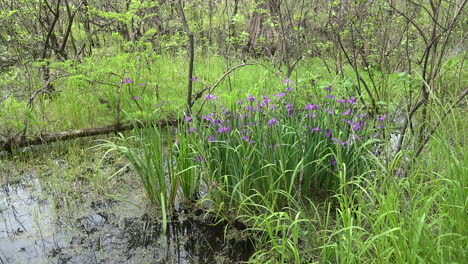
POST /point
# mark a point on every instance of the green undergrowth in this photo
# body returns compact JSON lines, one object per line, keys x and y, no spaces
{"x":376,"y":217}
{"x":313,"y":183}
{"x":415,"y":219}
{"x":87,"y":93}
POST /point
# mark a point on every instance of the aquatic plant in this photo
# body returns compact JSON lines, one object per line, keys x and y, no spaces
{"x":146,"y":153}
{"x":267,"y":146}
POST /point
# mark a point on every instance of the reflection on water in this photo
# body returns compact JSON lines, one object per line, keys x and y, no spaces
{"x":27,"y":229}
{"x":32,"y":230}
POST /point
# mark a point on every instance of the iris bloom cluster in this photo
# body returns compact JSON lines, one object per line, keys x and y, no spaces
{"x":335,"y":121}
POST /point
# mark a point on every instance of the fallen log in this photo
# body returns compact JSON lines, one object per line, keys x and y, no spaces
{"x":21,"y":141}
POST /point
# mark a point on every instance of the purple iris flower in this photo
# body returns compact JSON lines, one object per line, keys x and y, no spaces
{"x":290,"y":108}
{"x":188,"y":118}
{"x":358,"y":125}
{"x":351,"y":100}
{"x":314,"y":129}
{"x":225,"y":129}
{"x":273,"y":121}
{"x":328,"y":88}
{"x":312,"y":107}
{"x":127,"y":80}
{"x":239,"y":102}
{"x":194,"y":79}
{"x":333,"y":163}
{"x":279,"y":95}
{"x":250,"y":108}
{"x":136,"y":98}
{"x":331,"y":96}
{"x":287,"y":81}
{"x":199,"y":158}
{"x":381,"y":118}
{"x":208,"y":117}
{"x":266,"y":99}
{"x":347,"y":112}
{"x":289,"y":89}
{"x":347,"y":121}
{"x":250,"y":98}
{"x":328,"y":133}
{"x":330,"y":111}
{"x":210,"y":138}
{"x":211,"y":97}
{"x":191,"y":130}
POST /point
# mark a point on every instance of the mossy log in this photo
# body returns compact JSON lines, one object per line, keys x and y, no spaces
{"x":23,"y":141}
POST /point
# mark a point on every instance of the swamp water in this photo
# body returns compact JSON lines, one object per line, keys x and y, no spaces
{"x":50,"y":216}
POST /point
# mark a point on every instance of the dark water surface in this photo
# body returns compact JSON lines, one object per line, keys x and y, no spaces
{"x":36,"y":227}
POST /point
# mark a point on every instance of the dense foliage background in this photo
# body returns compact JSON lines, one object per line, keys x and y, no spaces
{"x":380,"y":50}
{"x":352,"y":113}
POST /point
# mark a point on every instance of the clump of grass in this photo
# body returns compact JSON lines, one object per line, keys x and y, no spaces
{"x":186,"y":167}
{"x":146,"y":153}
{"x":270,"y":143}
{"x":256,"y":159}
{"x":386,"y":219}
